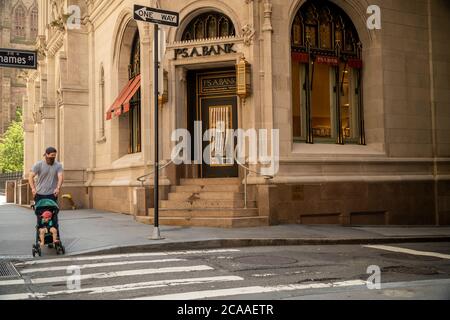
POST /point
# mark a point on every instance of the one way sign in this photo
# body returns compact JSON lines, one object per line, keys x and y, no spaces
{"x":147,"y":14}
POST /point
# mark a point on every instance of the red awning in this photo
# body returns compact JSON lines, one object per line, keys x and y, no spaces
{"x":301,"y":57}
{"x":123,"y":100}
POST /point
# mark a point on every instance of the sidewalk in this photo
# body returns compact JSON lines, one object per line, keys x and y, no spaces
{"x":93,"y":231}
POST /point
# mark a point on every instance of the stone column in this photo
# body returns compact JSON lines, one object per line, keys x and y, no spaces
{"x":146,"y":93}
{"x":46,"y":110}
{"x":267,"y":112}
{"x":28,"y":127}
{"x":10,"y":191}
{"x":5,"y":103}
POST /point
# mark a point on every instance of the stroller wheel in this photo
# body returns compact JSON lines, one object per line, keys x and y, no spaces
{"x":63,"y":250}
{"x":39,"y":252}
{"x":33,"y":252}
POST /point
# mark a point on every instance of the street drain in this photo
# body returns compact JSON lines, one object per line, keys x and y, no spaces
{"x":266,"y":260}
{"x":7,"y":270}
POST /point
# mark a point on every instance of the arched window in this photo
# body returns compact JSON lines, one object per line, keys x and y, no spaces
{"x":209,"y":25}
{"x":34,"y":23}
{"x":326,"y":76}
{"x":19,"y":22}
{"x":135,"y":102}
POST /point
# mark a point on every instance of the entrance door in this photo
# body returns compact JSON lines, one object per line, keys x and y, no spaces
{"x":219,"y":117}
{"x":216,"y":107}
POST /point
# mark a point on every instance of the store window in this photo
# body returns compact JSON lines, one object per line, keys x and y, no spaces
{"x":127,"y":105}
{"x":135,"y":102}
{"x":326,"y":76}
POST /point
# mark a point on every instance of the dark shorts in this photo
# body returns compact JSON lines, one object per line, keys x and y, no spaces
{"x":39,"y":197}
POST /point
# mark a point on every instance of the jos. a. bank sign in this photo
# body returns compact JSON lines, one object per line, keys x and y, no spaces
{"x":204,"y":51}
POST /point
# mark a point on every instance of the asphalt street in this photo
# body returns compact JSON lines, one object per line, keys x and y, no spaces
{"x":406,"y":271}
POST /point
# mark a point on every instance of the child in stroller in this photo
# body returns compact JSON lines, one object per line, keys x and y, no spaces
{"x":47,"y":227}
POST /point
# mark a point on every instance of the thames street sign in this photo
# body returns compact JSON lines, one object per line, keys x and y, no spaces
{"x":19,"y":59}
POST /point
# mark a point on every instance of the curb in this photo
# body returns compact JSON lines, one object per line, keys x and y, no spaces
{"x":235,"y":243}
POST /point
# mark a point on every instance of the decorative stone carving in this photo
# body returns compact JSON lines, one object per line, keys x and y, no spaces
{"x":59,"y":18}
{"x":57,"y":9}
{"x":182,"y":76}
{"x":47,"y":112}
{"x":22,"y":75}
{"x":37,"y":116}
{"x":59,"y":98}
{"x":267,"y":16}
{"x":248,"y":32}
{"x":41,"y":47}
{"x":56,"y":43}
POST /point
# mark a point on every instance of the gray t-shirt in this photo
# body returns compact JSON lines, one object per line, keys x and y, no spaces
{"x":47,"y":177}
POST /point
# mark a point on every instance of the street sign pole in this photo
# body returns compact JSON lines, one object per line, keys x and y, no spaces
{"x":156,"y":232}
{"x":167,"y":18}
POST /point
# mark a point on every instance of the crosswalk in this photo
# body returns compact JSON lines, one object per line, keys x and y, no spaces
{"x":176,"y":275}
{"x":113,"y":275}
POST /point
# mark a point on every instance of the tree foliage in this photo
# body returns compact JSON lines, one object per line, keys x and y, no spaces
{"x":11,"y":147}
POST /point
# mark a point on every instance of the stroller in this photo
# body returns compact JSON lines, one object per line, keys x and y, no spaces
{"x":39,"y":208}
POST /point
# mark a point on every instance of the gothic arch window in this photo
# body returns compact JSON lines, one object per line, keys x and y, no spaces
{"x":326,"y":76}
{"x":209,"y":25}
{"x":19,"y":22}
{"x":34,"y":22}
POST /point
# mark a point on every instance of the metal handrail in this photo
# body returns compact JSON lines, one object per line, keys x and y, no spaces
{"x":142,"y":179}
{"x":247,"y":170}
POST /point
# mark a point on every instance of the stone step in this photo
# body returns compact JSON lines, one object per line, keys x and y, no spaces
{"x":205,"y":213}
{"x":208,"y":188}
{"x":213,"y":181}
{"x":245,"y":222}
{"x":205,"y":195}
{"x":174,"y":204}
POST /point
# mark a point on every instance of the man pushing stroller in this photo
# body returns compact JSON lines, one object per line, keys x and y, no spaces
{"x":49,"y":174}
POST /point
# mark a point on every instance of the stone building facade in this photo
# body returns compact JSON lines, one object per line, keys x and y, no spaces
{"x":18,"y":30}
{"x":363,"y":114}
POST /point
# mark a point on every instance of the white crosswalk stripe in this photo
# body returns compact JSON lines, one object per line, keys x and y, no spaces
{"x":126,"y":256}
{"x":18,"y":296}
{"x":409,"y":251}
{"x":248,"y":290}
{"x":11,"y":282}
{"x":126,"y":273}
{"x":105,"y":275}
{"x":99,"y":265}
{"x":125,"y":287}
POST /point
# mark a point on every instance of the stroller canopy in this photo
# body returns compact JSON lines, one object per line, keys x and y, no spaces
{"x":46,"y":203}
